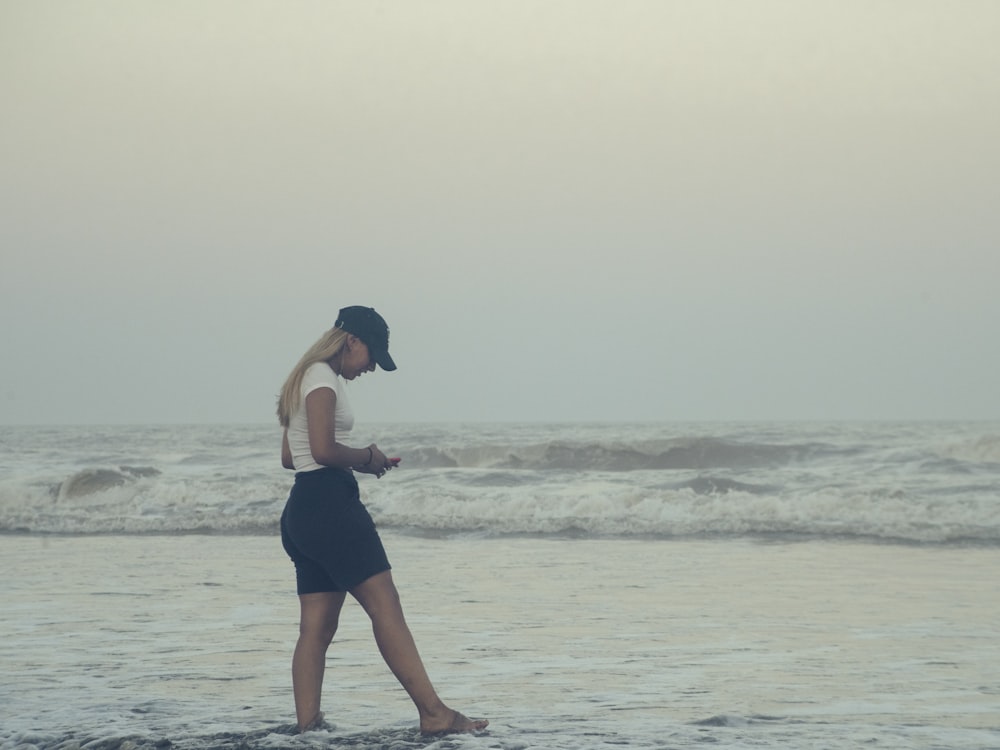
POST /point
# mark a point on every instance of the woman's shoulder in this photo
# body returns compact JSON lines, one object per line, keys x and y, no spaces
{"x":321,"y":368}
{"x":319,"y":374}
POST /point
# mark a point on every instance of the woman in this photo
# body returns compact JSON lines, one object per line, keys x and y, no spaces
{"x":327,"y":531}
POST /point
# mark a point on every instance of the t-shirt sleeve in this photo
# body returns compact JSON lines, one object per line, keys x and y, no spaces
{"x":318,"y":375}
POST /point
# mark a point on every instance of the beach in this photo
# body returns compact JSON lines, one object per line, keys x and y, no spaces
{"x":584,"y":643}
{"x":585,"y":587}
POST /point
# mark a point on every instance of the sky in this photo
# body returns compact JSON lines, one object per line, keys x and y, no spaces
{"x":567,"y":210}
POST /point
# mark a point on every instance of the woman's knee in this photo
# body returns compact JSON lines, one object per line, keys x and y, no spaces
{"x":320,"y":616}
{"x":319,"y":631}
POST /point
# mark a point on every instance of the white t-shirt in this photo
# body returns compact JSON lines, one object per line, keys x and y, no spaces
{"x":318,"y":375}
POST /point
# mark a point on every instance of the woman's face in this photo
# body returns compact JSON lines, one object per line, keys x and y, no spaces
{"x":356,"y":359}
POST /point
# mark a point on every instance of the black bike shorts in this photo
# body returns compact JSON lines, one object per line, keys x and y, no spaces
{"x":329,"y":534}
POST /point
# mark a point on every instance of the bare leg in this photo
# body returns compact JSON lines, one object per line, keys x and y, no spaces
{"x":317,"y":625}
{"x":380,"y":600}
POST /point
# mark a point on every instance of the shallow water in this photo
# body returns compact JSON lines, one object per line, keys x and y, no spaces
{"x":123,"y":641}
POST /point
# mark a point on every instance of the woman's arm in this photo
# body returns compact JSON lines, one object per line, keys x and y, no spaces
{"x":286,"y":452}
{"x":326,"y":451}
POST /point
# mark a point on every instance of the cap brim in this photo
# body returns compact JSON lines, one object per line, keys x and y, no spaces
{"x":383,"y":360}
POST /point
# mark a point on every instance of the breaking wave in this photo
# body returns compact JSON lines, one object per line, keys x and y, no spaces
{"x":916,"y":484}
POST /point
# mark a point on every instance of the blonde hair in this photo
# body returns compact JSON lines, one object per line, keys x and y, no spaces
{"x":329,"y":346}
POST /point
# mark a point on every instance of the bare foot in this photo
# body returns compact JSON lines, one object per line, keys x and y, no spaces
{"x":316,"y":723}
{"x":456,"y":723}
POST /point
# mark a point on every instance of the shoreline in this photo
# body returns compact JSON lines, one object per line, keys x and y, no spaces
{"x":476,"y":535}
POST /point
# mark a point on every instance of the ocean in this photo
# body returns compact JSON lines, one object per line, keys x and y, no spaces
{"x":584,"y":586}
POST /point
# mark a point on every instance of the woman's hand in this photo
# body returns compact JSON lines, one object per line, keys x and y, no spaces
{"x":378,"y":464}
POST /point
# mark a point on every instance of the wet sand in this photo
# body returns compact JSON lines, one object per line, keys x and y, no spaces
{"x":560,"y":643}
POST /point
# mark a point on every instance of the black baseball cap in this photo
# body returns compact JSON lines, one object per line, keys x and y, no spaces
{"x":371,"y":328}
